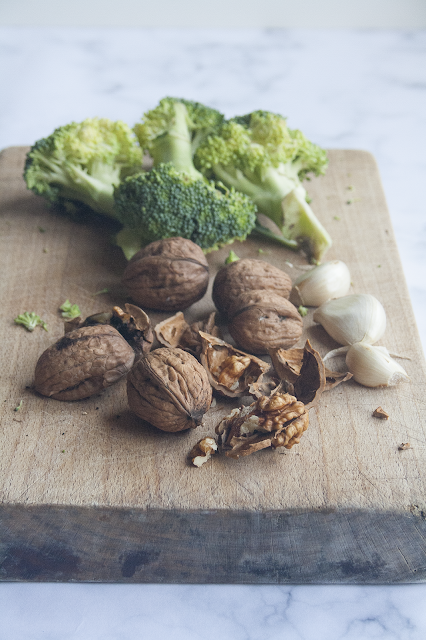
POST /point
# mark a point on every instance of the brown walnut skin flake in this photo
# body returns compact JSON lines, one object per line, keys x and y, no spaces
{"x":275,"y":421}
{"x":170,"y":389}
{"x":84,"y":362}
{"x":167,"y":275}
{"x":176,"y":332}
{"x":231,"y":372}
{"x":263,"y":320}
{"x":247,"y":274}
{"x":380,"y":413}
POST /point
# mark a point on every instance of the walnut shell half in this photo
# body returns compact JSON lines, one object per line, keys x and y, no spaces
{"x":169,"y":389}
{"x":232,"y":372}
{"x":83,"y":363}
{"x":167,"y":275}
{"x":263,"y":320}
{"x":247,"y":274}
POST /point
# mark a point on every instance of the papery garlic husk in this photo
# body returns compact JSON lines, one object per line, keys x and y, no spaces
{"x":373,"y":366}
{"x":355,"y":318}
{"x":324,"y":282}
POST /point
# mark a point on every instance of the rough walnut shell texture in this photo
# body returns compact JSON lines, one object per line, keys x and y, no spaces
{"x":82,"y":363}
{"x":244,"y":275}
{"x":263,"y":320}
{"x":167,"y":275}
{"x":169,"y":389}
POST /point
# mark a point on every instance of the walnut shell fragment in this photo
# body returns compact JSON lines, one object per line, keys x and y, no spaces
{"x":176,"y":332}
{"x":275,"y":421}
{"x":167,"y":275}
{"x":380,"y":413}
{"x":133,"y":324}
{"x":202,"y":451}
{"x":169,"y":389}
{"x":309,"y":383}
{"x":263,"y":320}
{"x":232,"y":372}
{"x":303,"y":373}
{"x":247,"y":274}
{"x":84,"y":362}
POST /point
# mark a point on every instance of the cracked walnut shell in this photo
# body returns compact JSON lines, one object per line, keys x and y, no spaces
{"x":84,"y":362}
{"x":169,"y":389}
{"x":263,"y":320}
{"x":167,"y":275}
{"x":231,"y":372}
{"x":247,"y":274}
{"x":275,"y":421}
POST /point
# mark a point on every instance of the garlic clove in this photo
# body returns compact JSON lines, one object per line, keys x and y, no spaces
{"x":373,"y":366}
{"x":353,"y":318}
{"x":327,"y":280}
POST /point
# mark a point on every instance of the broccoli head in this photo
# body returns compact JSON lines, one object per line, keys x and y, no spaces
{"x":165,"y":202}
{"x":260,"y":156}
{"x":174,"y":129}
{"x":82,"y":163}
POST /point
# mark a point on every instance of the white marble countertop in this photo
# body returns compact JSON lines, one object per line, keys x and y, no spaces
{"x":361,"y":89}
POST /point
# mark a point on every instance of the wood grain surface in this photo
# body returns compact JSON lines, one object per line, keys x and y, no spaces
{"x":90,"y":492}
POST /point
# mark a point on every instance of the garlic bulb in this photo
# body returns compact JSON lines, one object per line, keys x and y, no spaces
{"x":354,"y":318}
{"x":373,"y":366}
{"x":327,"y":280}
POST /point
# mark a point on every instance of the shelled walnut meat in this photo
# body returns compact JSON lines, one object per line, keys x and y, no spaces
{"x":167,"y":275}
{"x":263,"y":320}
{"x":232,"y":372}
{"x":247,"y":274}
{"x":169,"y":389}
{"x":84,"y":362}
{"x":275,"y":421}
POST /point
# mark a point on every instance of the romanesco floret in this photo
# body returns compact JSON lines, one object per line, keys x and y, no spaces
{"x":81,"y":163}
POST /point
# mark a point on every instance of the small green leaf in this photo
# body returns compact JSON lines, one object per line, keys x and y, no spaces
{"x":30,"y":321}
{"x":302,"y":310}
{"x":69,"y":310}
{"x":19,"y":406}
{"x":98,"y":293}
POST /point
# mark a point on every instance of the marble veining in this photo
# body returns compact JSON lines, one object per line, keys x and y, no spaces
{"x":363,"y":89}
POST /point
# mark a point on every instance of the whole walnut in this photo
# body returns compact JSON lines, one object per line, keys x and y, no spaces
{"x":263,"y":320}
{"x":170,"y":389}
{"x":84,"y":362}
{"x":247,"y":274}
{"x":167,"y":275}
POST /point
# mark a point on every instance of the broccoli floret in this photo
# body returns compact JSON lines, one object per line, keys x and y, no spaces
{"x":82,"y":163}
{"x":260,"y":156}
{"x":164,"y":203}
{"x":174,"y":129}
{"x":30,"y":321}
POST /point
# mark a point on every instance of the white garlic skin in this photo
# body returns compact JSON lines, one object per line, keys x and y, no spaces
{"x":354,"y":318}
{"x":326,"y":281}
{"x":373,"y":366}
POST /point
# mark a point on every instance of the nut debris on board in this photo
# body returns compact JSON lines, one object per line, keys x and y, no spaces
{"x":275,"y":421}
{"x":176,"y":332}
{"x":380,"y":413}
{"x":202,"y":451}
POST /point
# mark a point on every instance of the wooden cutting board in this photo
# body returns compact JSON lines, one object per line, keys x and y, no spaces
{"x":89,"y":492}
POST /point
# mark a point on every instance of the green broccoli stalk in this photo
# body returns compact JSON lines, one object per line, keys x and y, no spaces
{"x":173,"y":131}
{"x":165,"y":203}
{"x":174,"y":198}
{"x":81,"y":163}
{"x":260,"y":156}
